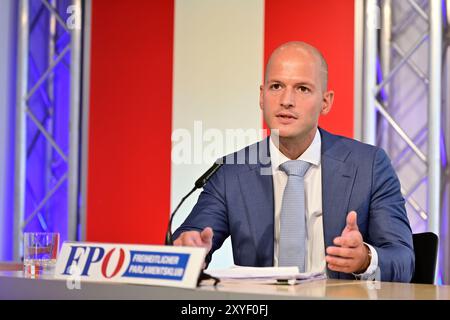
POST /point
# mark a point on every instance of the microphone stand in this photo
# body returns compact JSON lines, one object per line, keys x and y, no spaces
{"x":169,"y":240}
{"x":169,"y":236}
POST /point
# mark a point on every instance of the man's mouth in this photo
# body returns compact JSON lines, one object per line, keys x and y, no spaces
{"x":286,"y":116}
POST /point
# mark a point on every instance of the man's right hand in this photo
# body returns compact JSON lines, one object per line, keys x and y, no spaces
{"x":196,"y":239}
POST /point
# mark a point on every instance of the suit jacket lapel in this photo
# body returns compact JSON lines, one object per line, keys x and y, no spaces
{"x":338,"y":176}
{"x":257,"y":191}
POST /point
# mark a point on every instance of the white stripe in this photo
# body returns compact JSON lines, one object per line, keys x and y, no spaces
{"x":218,"y":66}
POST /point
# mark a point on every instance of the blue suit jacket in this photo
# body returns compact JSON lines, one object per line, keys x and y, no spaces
{"x":238,"y":201}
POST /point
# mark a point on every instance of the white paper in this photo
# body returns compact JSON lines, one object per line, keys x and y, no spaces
{"x":291,"y":275}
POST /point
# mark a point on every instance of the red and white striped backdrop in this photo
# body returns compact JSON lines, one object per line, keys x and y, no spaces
{"x":157,"y":66}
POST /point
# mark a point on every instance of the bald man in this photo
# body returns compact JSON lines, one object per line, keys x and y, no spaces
{"x":343,"y":215}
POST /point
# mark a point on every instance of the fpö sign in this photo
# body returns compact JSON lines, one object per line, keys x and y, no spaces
{"x":141,"y":264}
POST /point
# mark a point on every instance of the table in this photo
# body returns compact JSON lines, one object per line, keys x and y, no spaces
{"x":13,"y":285}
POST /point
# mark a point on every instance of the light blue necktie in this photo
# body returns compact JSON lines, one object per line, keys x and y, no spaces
{"x":292,"y":250}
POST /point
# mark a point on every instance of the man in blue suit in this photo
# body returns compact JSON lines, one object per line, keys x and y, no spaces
{"x":353,"y":220}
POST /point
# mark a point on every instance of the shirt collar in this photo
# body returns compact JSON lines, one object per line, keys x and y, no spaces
{"x":311,"y":154}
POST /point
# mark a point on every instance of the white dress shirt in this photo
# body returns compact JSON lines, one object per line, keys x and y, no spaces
{"x":315,"y":249}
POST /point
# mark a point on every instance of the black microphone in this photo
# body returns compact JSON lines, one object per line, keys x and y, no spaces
{"x":198,"y":184}
{"x":208,"y":174}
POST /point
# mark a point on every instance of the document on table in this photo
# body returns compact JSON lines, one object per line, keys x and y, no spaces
{"x":276,"y":275}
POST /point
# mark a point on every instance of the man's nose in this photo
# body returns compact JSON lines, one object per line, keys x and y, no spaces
{"x":287,"y":98}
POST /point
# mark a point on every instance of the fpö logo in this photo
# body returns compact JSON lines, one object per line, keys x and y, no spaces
{"x":84,"y":257}
{"x":121,"y":263}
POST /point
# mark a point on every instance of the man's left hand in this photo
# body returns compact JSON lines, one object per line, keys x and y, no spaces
{"x":349,"y":254}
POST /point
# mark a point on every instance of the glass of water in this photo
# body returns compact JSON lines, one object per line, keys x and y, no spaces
{"x":40,"y":250}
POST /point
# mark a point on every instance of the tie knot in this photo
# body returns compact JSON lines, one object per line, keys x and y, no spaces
{"x":295,"y":167}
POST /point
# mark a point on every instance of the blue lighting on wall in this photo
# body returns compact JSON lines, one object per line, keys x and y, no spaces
{"x":7,"y":163}
{"x":421,"y":138}
{"x":53,"y":113}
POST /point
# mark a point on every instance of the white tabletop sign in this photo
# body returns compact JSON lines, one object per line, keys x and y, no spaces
{"x":141,"y":264}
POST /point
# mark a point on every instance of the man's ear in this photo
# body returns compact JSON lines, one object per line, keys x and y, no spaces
{"x":327,"y":102}
{"x":261,"y":96}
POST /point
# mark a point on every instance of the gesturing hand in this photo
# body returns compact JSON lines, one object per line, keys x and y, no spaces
{"x":349,"y":254}
{"x":196,"y":239}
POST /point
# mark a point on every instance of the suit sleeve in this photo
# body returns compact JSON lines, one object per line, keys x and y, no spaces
{"x":210,"y":211}
{"x":389,"y":229}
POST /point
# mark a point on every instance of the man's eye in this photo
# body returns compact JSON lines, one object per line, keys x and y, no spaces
{"x":275,"y":86}
{"x":304,"y":89}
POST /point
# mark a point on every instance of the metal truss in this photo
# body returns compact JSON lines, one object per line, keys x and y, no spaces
{"x":404,"y":56}
{"x":47,"y":118}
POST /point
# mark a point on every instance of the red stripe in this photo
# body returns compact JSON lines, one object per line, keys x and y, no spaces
{"x":329,"y":26}
{"x":130,"y":121}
